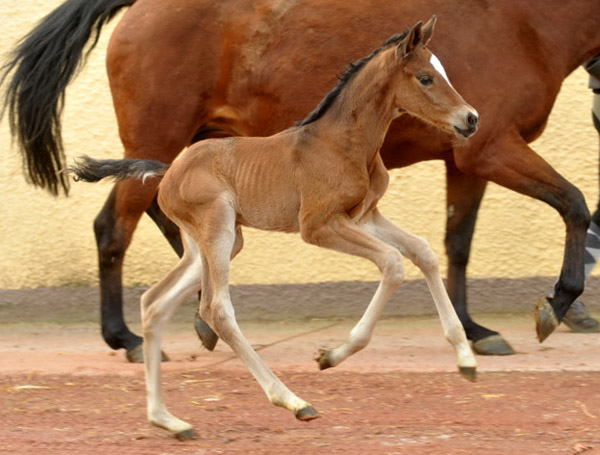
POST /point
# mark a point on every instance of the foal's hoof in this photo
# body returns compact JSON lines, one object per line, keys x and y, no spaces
{"x":579,"y":320}
{"x":186,"y":434}
{"x":207,"y":335}
{"x":493,"y":345}
{"x":306,"y":414}
{"x":136,"y":355}
{"x":323,"y":359}
{"x":468,"y":372}
{"x":545,"y":319}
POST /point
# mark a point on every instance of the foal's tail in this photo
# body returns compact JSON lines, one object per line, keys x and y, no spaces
{"x":42,"y":65}
{"x":91,"y":170}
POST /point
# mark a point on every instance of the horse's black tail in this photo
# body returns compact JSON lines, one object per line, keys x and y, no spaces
{"x":91,"y":170}
{"x":43,"y":64}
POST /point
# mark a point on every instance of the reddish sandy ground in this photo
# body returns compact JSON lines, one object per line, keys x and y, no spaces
{"x":63,"y":391}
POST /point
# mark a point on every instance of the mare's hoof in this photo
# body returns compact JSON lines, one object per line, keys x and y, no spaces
{"x":468,"y":372}
{"x":323,"y":359}
{"x":579,"y":320}
{"x":186,"y":434}
{"x":545,"y":319}
{"x":307,"y":413}
{"x":207,"y":335}
{"x":136,"y":355}
{"x":493,"y":345}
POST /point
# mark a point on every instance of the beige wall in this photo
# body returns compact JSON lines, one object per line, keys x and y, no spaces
{"x":46,"y":241}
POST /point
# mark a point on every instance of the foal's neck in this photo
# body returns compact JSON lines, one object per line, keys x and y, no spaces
{"x":360,"y":117}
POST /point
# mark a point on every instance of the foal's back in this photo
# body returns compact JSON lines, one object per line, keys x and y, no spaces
{"x":255,"y":175}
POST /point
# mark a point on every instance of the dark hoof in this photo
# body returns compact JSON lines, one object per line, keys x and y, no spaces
{"x":323,"y":360}
{"x":579,"y":320}
{"x":136,"y":355}
{"x":468,"y":372}
{"x":207,"y":335}
{"x":307,"y":413}
{"x":493,"y":345}
{"x":545,"y":319}
{"x":185,"y":435}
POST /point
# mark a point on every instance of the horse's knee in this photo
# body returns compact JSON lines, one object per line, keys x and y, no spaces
{"x":424,"y":257}
{"x":393,"y":268}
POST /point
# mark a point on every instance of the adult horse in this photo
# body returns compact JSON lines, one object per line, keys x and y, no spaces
{"x":186,"y":70}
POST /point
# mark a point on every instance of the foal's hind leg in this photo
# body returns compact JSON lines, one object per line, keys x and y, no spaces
{"x":218,"y":245}
{"x":418,"y":251}
{"x":172,"y":233}
{"x":157,"y":306}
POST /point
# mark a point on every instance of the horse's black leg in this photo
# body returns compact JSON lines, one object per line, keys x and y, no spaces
{"x":114,"y":228}
{"x":112,"y":244}
{"x":464,"y":195}
{"x":507,"y":160}
{"x":170,"y":230}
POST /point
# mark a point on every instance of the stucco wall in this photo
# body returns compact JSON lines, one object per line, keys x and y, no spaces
{"x":46,"y":241}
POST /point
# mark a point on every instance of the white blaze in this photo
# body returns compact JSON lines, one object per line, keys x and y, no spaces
{"x":439,"y":67}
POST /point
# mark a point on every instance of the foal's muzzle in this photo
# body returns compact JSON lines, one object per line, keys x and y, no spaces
{"x":470,"y":125}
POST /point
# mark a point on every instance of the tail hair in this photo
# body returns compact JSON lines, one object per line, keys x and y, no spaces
{"x":92,"y":170}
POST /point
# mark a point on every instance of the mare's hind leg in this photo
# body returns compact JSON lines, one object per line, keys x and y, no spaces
{"x":219,"y":240}
{"x":157,"y":306}
{"x":420,"y":253}
{"x":114,"y":228}
{"x":464,"y":194}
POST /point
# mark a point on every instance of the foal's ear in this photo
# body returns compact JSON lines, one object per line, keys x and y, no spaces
{"x":413,"y":39}
{"x":427,"y":30}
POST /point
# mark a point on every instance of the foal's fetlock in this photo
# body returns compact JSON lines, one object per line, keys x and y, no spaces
{"x":180,"y":429}
{"x":302,"y":410}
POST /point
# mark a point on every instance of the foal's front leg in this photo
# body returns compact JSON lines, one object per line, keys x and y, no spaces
{"x":418,"y":251}
{"x":341,"y":234}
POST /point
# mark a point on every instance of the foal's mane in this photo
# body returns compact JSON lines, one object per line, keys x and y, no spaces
{"x":350,"y":71}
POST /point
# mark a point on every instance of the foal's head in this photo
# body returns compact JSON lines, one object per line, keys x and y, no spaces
{"x":423,"y":89}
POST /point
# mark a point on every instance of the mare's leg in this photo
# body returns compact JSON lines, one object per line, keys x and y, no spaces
{"x":417,"y":249}
{"x":464,"y":194}
{"x":157,"y":306}
{"x":114,"y":228}
{"x":160,"y":91}
{"x":170,"y":230}
{"x":219,"y":240}
{"x":510,"y":162}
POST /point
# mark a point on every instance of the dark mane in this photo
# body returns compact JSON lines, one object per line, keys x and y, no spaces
{"x":351,"y":70}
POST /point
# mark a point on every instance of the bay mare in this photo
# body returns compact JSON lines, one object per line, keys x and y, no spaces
{"x":182,"y":71}
{"x":323,"y":179}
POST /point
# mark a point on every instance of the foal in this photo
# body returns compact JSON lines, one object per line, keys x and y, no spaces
{"x":322,"y":178}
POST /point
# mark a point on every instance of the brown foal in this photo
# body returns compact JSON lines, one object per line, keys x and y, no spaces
{"x":322,"y":178}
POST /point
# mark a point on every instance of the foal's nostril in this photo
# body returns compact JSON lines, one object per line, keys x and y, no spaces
{"x":472,"y":120}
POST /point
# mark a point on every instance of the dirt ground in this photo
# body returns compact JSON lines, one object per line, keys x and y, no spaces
{"x":63,"y":391}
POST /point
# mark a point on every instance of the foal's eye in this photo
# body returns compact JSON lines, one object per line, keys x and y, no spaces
{"x":425,"y":79}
